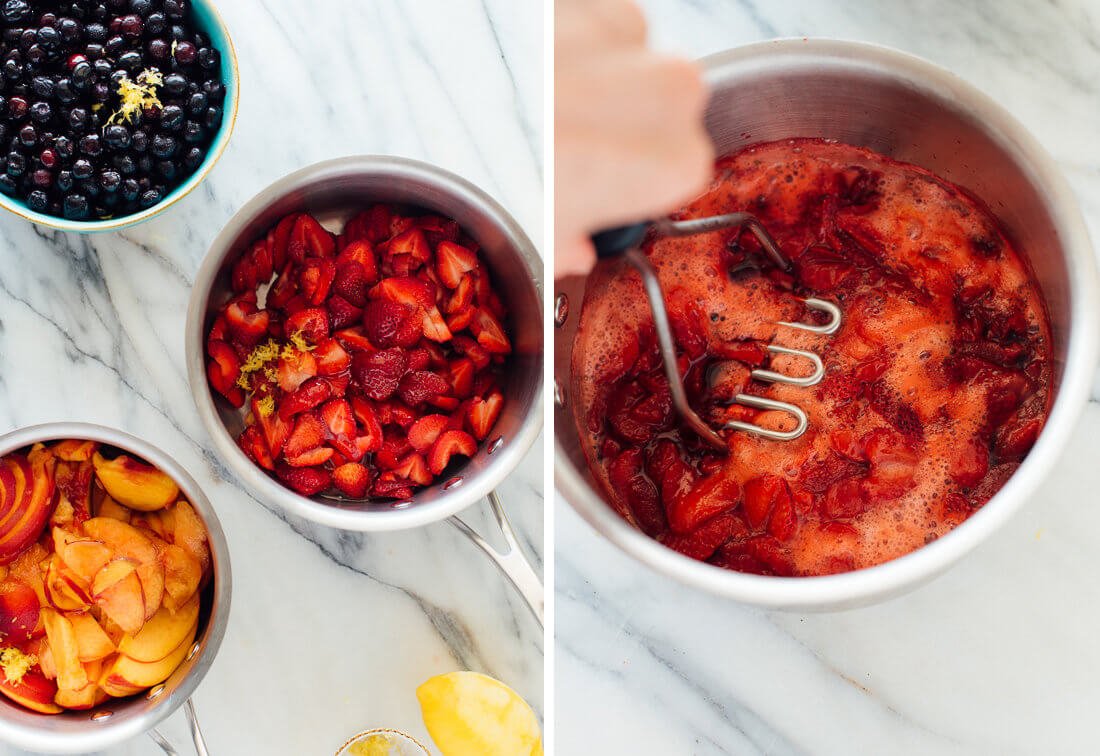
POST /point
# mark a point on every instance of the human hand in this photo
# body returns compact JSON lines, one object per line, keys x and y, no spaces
{"x":628,"y":127}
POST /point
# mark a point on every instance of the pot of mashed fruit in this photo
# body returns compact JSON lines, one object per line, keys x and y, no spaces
{"x":937,"y":383}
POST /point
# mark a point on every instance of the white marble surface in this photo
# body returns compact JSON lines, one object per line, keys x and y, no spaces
{"x":330,"y":633}
{"x":998,"y":656}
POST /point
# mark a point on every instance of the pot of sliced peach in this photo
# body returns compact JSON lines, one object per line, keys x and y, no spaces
{"x":114,"y":588}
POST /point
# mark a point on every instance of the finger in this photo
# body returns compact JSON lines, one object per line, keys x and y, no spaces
{"x":573,"y":256}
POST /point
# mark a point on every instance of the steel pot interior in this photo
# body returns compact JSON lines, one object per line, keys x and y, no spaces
{"x":334,"y":191}
{"x":119,"y":719}
{"x":910,"y":110}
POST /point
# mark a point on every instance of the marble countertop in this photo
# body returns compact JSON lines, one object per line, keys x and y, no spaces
{"x":330,"y":632}
{"x":997,"y":656}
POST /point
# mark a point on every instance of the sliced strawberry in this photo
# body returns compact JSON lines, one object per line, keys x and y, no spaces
{"x":420,"y":385}
{"x":218,"y":330}
{"x":419,"y":359}
{"x":489,"y":332}
{"x":255,"y":267}
{"x":414,"y":468}
{"x":311,"y":458}
{"x":473,"y":350}
{"x":283,"y":290}
{"x":438,"y":229}
{"x":305,"y":480}
{"x":706,"y":499}
{"x":462,"y":377}
{"x":424,"y":432}
{"x":281,"y":240}
{"x":445,"y":403}
{"x":224,"y":370}
{"x":405,"y":290}
{"x":461,"y":320}
{"x":370,"y":428}
{"x":483,"y":414}
{"x":761,"y":495}
{"x":309,"y":395}
{"x":331,"y":358}
{"x":355,"y":340}
{"x":388,"y":323}
{"x":312,"y":323}
{"x":402,"y":414}
{"x":253,"y":445}
{"x":342,"y":313}
{"x":463,"y":296}
{"x":312,"y":239}
{"x":447,"y":445}
{"x":389,"y":486}
{"x":360,"y":251}
{"x":295,"y":368}
{"x":372,"y":225}
{"x":452,"y":262}
{"x":379,"y":373}
{"x":351,"y":282}
{"x":411,"y":243}
{"x":341,"y":425}
{"x":276,"y":430}
{"x":246,"y":325}
{"x":434,"y":326}
{"x":339,"y":383}
{"x":316,"y":279}
{"x":352,"y":479}
{"x":309,"y":433}
{"x":402,"y":265}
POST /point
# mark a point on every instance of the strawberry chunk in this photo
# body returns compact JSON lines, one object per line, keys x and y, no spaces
{"x":255,"y":267}
{"x":420,"y":385}
{"x":253,"y":445}
{"x":473,"y":350}
{"x":373,"y":225}
{"x":414,"y":468}
{"x":283,"y":290}
{"x":352,"y":479}
{"x":360,"y":251}
{"x":341,"y":425}
{"x":452,"y":262}
{"x":311,"y":458}
{"x":280,"y":244}
{"x":295,"y":368}
{"x":354,"y":339}
{"x":245,"y":324}
{"x":305,"y":480}
{"x":489,"y":332}
{"x":370,"y":428}
{"x":424,"y":432}
{"x":351,"y":282}
{"x":483,"y":413}
{"x":276,"y":430}
{"x":223,"y":370}
{"x":463,"y":296}
{"x":411,"y":243}
{"x":388,"y":323}
{"x":389,"y":486}
{"x":448,"y":444}
{"x":462,"y":377}
{"x":761,"y":496}
{"x":310,"y":239}
{"x":316,"y":279}
{"x":405,"y":290}
{"x":312,"y":392}
{"x":308,"y":434}
{"x":706,"y":499}
{"x":330,"y":358}
{"x":312,"y":323}
{"x":379,"y":373}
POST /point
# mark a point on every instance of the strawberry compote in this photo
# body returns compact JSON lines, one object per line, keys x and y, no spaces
{"x":937,"y":384}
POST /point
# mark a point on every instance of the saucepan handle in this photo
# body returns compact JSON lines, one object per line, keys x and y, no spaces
{"x":513,"y":563}
{"x":615,"y":241}
{"x":196,"y":734}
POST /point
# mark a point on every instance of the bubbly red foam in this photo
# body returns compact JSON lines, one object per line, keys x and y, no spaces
{"x":937,"y":382}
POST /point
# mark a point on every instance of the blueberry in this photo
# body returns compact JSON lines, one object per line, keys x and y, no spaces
{"x":150,"y":197}
{"x":114,"y":45}
{"x":41,"y":112}
{"x":171,"y":117}
{"x":132,"y":26}
{"x":75,"y":206}
{"x":17,"y":164}
{"x":139,"y":141}
{"x":7,"y":184}
{"x":185,"y":53}
{"x":49,"y":38}
{"x":64,"y":147}
{"x":124,"y":164}
{"x":156,"y":23}
{"x":17,"y":108}
{"x":163,"y":146}
{"x":177,"y":32}
{"x":109,"y":181}
{"x":101,"y":91}
{"x":64,"y":180}
{"x":94,"y":51}
{"x":141,"y":7}
{"x":43,"y":86}
{"x":167,"y":168}
{"x":175,"y":84}
{"x":193,"y":159}
{"x":130,"y":60}
{"x":192,"y":132}
{"x":117,"y":136}
{"x":36,"y":55}
{"x":158,"y":50}
{"x":63,"y":91}
{"x":212,"y":118}
{"x":103,"y":67}
{"x":27,"y":37}
{"x":28,"y":136}
{"x":83,"y":169}
{"x":95,"y":33}
{"x":70,"y":30}
{"x":42,"y":178}
{"x":129,"y":190}
{"x":78,"y":119}
{"x":209,"y":58}
{"x":196,"y":103}
{"x":16,"y":11}
{"x":82,"y":74}
{"x":38,"y":201}
{"x":91,"y":145}
{"x":175,"y":9}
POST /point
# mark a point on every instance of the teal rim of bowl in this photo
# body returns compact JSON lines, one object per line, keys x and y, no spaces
{"x":210,"y":23}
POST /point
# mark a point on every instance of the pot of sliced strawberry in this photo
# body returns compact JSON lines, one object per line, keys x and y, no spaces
{"x":365,"y":343}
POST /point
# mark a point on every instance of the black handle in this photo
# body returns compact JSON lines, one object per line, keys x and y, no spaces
{"x":614,"y":241}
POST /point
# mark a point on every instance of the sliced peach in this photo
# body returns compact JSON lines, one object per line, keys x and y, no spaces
{"x":124,"y":603}
{"x":161,"y":635}
{"x":150,"y":521}
{"x":66,"y":653}
{"x":34,"y":691}
{"x":73,"y":450}
{"x":135,"y":484}
{"x":182,"y":576}
{"x":121,"y":538}
{"x":111,"y":573}
{"x":91,"y":640}
{"x":189,"y":533}
{"x":86,"y":557}
{"x":66,"y":591}
{"x":27,"y":570}
{"x":86,"y":697}
{"x":151,"y":575}
{"x":125,"y":676}
{"x":40,"y":647}
{"x":18,"y":610}
{"x":108,"y":507}
{"x":31,"y":505}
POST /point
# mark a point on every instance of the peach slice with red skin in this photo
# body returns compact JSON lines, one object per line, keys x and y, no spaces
{"x":25,"y":513}
{"x":182,"y":577}
{"x":64,"y":589}
{"x":190,"y":534}
{"x":163,"y":634}
{"x":85,"y":558}
{"x":75,"y":450}
{"x":125,"y":676}
{"x":135,"y":484}
{"x":34,"y":691}
{"x":126,"y":541}
{"x":123,"y":601}
{"x":19,"y":610}
{"x":108,"y":507}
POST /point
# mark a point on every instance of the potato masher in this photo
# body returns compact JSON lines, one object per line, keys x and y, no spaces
{"x":626,"y":240}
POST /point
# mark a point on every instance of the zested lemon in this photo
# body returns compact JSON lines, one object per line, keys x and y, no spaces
{"x":470,"y":714}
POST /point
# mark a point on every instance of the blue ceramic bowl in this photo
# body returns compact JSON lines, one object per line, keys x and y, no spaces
{"x":210,"y":23}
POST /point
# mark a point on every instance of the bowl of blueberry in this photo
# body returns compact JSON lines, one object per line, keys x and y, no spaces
{"x":110,"y":110}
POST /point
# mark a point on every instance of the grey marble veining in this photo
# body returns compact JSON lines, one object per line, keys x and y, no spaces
{"x":330,"y":632}
{"x":997,"y":656}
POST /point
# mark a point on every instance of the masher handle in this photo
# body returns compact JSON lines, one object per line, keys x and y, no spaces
{"x":615,"y":241}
